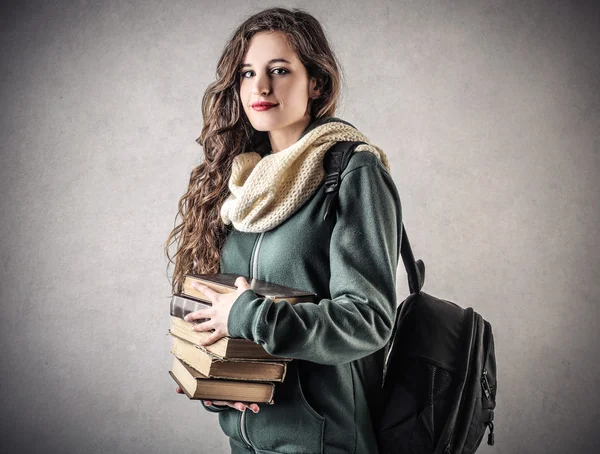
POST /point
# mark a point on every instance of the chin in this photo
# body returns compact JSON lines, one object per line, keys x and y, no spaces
{"x":264,"y":124}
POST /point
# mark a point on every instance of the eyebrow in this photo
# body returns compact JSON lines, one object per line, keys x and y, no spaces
{"x":274,"y":60}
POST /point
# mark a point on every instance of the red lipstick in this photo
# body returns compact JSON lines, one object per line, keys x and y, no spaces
{"x":262,"y":105}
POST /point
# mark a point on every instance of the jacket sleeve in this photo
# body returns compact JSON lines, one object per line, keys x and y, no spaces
{"x":364,"y":253}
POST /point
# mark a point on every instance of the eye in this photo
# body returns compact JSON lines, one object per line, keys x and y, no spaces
{"x":281,"y":72}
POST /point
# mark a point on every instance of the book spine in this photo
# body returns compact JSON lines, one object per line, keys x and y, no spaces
{"x":181,"y":306}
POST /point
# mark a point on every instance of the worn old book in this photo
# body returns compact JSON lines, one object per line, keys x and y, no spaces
{"x":181,"y":305}
{"x":197,"y":386}
{"x":225,"y":283}
{"x":226,"y":347}
{"x":234,"y":369}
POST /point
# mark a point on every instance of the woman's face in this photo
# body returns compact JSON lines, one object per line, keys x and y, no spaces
{"x":271,"y":72}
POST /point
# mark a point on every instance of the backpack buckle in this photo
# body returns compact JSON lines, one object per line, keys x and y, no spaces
{"x":332,"y":181}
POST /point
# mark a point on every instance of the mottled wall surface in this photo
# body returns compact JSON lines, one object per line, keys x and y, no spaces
{"x":489,"y":112}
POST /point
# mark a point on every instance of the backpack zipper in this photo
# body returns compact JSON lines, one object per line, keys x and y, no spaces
{"x":253,"y":273}
{"x":486,"y":385}
{"x":487,"y":391}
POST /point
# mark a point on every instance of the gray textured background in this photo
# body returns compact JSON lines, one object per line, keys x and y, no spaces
{"x":488,"y":110}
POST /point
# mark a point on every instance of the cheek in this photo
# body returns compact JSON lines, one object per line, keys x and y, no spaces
{"x":295,"y":93}
{"x":243,"y":90}
{"x":243,"y":96}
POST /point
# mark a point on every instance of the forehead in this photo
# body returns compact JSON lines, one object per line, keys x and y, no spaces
{"x":265,"y":46}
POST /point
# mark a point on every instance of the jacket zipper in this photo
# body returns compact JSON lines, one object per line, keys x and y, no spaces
{"x":243,"y":429}
{"x":253,"y":273}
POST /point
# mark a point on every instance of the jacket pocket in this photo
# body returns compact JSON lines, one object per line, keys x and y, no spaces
{"x":289,"y":426}
{"x":303,"y":399}
{"x":229,"y":420}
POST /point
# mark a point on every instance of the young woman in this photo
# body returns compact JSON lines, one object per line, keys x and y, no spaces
{"x":255,"y":207}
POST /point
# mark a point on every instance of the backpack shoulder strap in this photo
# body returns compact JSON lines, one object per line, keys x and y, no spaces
{"x":335,"y":161}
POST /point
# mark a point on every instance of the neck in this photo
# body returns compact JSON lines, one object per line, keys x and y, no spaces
{"x":283,"y":138}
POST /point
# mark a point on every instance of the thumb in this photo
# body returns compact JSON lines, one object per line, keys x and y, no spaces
{"x":241,"y":282}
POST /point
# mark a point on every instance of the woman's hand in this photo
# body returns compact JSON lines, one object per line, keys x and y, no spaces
{"x":219,"y":312}
{"x":217,"y":317}
{"x":236,"y":405}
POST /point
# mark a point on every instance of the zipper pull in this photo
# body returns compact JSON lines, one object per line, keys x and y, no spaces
{"x":491,"y":434}
{"x":485,"y":385}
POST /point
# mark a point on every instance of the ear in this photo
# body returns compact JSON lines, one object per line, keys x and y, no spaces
{"x":315,"y":88}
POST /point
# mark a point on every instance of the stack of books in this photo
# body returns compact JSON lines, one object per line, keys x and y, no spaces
{"x":230,"y":369}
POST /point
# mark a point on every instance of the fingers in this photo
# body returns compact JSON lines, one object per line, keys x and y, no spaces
{"x":198,"y":315}
{"x":237,"y":405}
{"x":208,"y":292}
{"x":214,"y":337}
{"x":204,"y":326}
{"x":241,"y":406}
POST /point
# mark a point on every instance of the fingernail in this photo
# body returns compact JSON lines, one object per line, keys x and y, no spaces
{"x":187,"y":318}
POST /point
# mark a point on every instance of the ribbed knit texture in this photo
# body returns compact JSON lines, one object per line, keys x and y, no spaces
{"x":265,"y":192}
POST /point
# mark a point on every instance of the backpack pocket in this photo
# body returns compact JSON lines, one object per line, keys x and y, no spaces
{"x":415,"y":414}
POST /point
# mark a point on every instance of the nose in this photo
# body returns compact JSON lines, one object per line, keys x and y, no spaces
{"x":262,"y":85}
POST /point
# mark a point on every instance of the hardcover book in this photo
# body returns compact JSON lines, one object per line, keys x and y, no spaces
{"x":181,"y":305}
{"x":197,"y":386}
{"x":212,"y":366}
{"x":226,"y":347}
{"x":225,"y":283}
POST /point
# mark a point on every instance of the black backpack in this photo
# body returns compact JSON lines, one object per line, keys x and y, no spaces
{"x":438,"y":389}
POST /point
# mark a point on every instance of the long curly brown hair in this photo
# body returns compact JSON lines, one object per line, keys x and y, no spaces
{"x":227,"y":132}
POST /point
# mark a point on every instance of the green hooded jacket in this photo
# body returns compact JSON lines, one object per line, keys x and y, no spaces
{"x":337,"y":345}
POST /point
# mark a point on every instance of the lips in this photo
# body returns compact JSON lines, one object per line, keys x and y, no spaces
{"x":263,"y":105}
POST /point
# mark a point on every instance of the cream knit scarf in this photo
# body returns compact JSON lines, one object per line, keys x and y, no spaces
{"x":266,"y":191}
